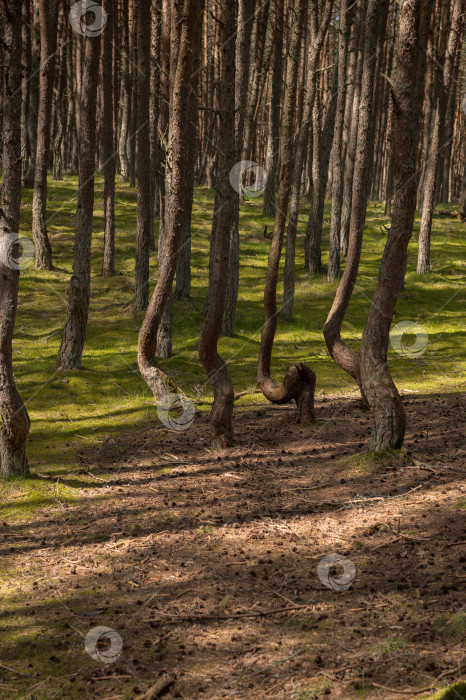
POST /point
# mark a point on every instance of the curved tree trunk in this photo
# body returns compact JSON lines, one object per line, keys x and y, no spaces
{"x":48,"y":13}
{"x":226,"y":208}
{"x":344,"y":356}
{"x":14,"y":428}
{"x":144,"y":218}
{"x":389,"y":416}
{"x":107,"y":140}
{"x":74,"y":334}
{"x":299,"y":382}
{"x":181,"y":73}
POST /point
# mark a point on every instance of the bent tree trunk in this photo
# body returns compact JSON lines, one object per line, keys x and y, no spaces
{"x":14,"y":428}
{"x":226,"y":203}
{"x":344,"y":356}
{"x":299,"y":382}
{"x":389,"y":415}
{"x":77,"y":311}
{"x":189,"y":18}
{"x":48,"y":12}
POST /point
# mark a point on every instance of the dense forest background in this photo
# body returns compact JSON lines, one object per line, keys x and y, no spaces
{"x":231,"y":296}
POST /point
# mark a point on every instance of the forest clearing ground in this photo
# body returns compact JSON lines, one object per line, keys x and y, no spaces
{"x":186,"y":553}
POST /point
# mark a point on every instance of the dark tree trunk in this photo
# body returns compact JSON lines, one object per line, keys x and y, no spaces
{"x":107,"y":139}
{"x":32,"y":88}
{"x":299,"y":382}
{"x":344,"y":356}
{"x":455,"y":28}
{"x":389,"y":416}
{"x":154,"y":111}
{"x":124,"y":96}
{"x":14,"y":428}
{"x":181,"y":73}
{"x":144,"y":218}
{"x":74,"y":334}
{"x":226,"y":207}
{"x":25,"y":88}
{"x":59,"y":99}
{"x":48,"y":12}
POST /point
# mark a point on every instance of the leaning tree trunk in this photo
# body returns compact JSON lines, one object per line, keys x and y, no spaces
{"x":144,"y":218}
{"x":74,"y":334}
{"x":344,"y":356}
{"x":48,"y":12}
{"x":389,"y":416}
{"x":189,"y":17}
{"x":14,"y":428}
{"x":299,"y":381}
{"x":456,"y":23}
{"x":226,"y":203}
{"x":107,"y":140}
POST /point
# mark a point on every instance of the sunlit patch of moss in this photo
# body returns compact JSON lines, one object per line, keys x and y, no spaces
{"x":456,"y":691}
{"x":452,"y":627}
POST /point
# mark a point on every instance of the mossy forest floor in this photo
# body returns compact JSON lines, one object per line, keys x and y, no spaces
{"x":205,"y":563}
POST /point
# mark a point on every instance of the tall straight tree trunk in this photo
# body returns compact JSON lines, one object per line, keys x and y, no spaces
{"x":144,"y":218}
{"x":456,"y":24}
{"x":189,"y":20}
{"x":333,"y":272}
{"x":107,"y":139}
{"x":48,"y":13}
{"x":226,"y":205}
{"x":344,"y":356}
{"x":321,"y":149}
{"x":32,"y":88}
{"x":299,"y":381}
{"x":303,"y":135}
{"x":124,"y":95}
{"x":25,"y":88}
{"x":14,"y":428}
{"x":243,"y":47}
{"x":273,"y":141}
{"x":183,"y":271}
{"x":154,"y":111}
{"x":77,"y":312}
{"x":388,"y":412}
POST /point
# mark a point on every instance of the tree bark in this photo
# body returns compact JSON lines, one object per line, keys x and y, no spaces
{"x":74,"y":334}
{"x":344,"y":356}
{"x":189,"y":16}
{"x":14,"y":428}
{"x":48,"y":13}
{"x":226,"y":208}
{"x":299,"y":382}
{"x":388,"y":413}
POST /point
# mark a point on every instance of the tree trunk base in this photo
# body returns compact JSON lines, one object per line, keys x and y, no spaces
{"x":13,"y":460}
